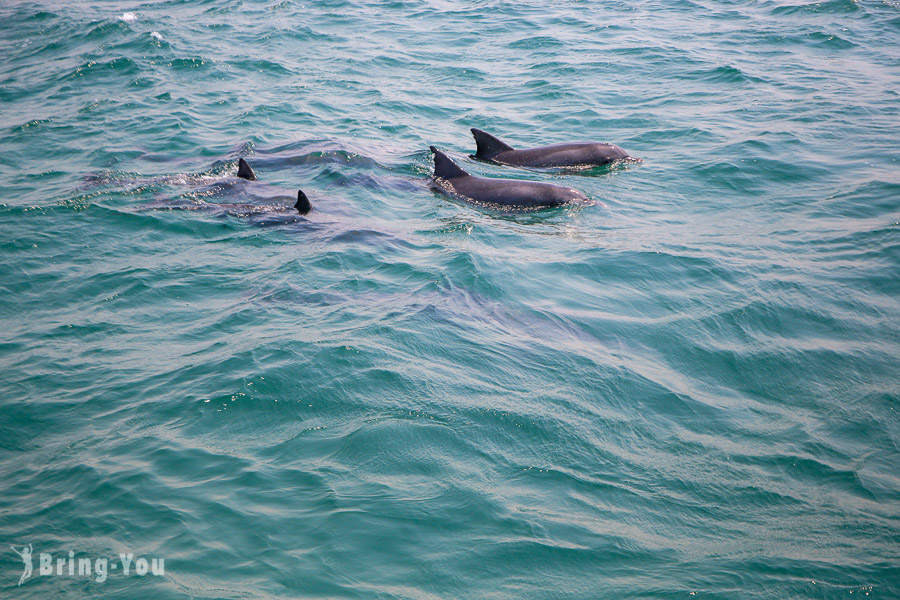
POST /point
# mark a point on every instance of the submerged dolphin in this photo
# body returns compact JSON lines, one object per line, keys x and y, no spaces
{"x":451,"y":179}
{"x":578,"y":154}
{"x":303,"y":205}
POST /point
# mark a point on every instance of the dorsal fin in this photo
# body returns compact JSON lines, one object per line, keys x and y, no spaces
{"x":303,"y":205}
{"x":488,"y":145}
{"x":444,"y":167}
{"x":244,"y":170}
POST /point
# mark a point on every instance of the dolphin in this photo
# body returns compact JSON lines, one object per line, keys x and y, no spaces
{"x":235,"y":209}
{"x":514,"y":193}
{"x":578,"y":154}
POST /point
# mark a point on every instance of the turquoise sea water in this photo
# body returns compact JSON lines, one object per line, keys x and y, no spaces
{"x":688,"y":388}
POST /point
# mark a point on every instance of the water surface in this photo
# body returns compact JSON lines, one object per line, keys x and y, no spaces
{"x":686,"y":388}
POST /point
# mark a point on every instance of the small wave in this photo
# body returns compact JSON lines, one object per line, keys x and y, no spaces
{"x":281,"y":156}
{"x":813,"y":38}
{"x":114,"y":68}
{"x":34,"y":123}
{"x":724,"y":74}
{"x":872,"y":199}
{"x":43,"y":16}
{"x":187,"y":63}
{"x":834,"y":6}
{"x":532,"y":43}
{"x":262,"y":66}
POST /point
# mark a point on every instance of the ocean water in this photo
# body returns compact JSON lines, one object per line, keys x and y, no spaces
{"x":686,"y":388}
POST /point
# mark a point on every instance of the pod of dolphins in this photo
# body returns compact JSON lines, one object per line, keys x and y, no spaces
{"x":453,"y":181}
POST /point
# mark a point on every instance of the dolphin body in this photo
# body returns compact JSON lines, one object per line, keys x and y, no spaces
{"x":578,"y":154}
{"x":511,"y":193}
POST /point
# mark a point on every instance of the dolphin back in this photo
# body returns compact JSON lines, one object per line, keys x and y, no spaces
{"x":515,"y":193}
{"x":244,"y":170}
{"x":303,"y":205}
{"x":487,"y":145}
{"x":445,"y":168}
